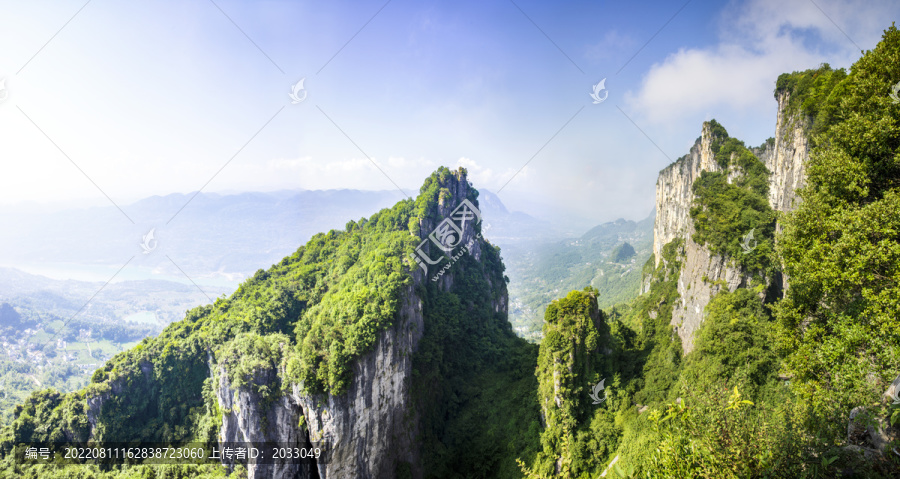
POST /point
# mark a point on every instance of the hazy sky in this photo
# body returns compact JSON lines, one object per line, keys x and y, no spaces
{"x":151,"y":98}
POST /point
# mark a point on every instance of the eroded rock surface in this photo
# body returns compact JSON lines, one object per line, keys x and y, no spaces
{"x":704,"y":274}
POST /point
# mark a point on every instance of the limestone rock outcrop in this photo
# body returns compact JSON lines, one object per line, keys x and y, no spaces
{"x":365,"y":431}
{"x":704,"y":274}
{"x":248,"y":417}
{"x":701,"y":273}
{"x":871,"y":432}
{"x":674,"y":192}
{"x":787,"y":159}
{"x":373,"y":426}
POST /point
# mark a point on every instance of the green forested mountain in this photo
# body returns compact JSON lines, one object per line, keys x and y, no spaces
{"x":308,"y":320}
{"x":390,"y":340}
{"x":770,"y":385}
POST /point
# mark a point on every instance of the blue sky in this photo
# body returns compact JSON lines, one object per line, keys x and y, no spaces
{"x":153,"y":98}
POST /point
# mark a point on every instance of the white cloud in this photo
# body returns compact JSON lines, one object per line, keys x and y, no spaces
{"x":482,"y":177}
{"x":758,"y":41}
{"x":360,"y":173}
{"x":353,"y":173}
{"x":613,"y":42}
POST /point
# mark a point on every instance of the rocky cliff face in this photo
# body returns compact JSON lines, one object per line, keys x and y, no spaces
{"x":788,"y":157}
{"x":703,"y":274}
{"x":674,"y":195}
{"x":374,"y":425}
{"x":367,"y":430}
{"x":787,"y":161}
{"x":248,"y":417}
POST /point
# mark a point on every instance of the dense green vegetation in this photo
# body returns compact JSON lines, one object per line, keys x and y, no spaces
{"x":569,"y":363}
{"x":839,"y":323}
{"x":768,"y":388}
{"x":812,"y":96}
{"x":20,"y":379}
{"x":630,"y":349}
{"x":474,"y":379}
{"x":721,"y":411}
{"x":727,"y":415}
{"x":724,"y":212}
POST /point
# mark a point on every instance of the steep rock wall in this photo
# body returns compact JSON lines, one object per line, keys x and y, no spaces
{"x":249,"y":418}
{"x":703,"y":274}
{"x":367,"y":430}
{"x":674,"y":195}
{"x":787,"y":163}
{"x":373,"y":426}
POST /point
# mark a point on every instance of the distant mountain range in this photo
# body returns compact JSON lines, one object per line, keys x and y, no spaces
{"x":208,"y":237}
{"x":608,"y":257}
{"x":212,"y":238}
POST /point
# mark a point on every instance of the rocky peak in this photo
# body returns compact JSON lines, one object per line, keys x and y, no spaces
{"x":450,"y":226}
{"x":704,"y":274}
{"x":674,"y":193}
{"x":378,"y":402}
